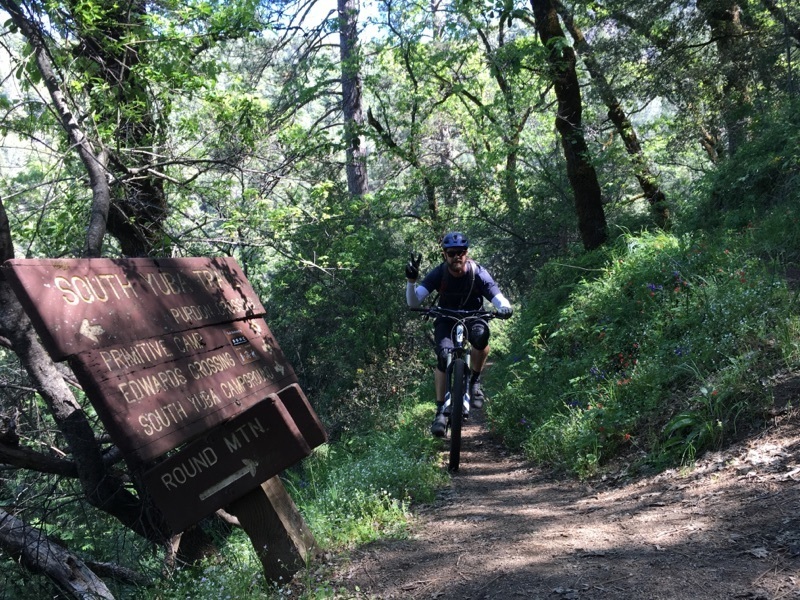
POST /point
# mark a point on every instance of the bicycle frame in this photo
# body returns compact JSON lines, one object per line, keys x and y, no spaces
{"x":457,"y":373}
{"x":461,"y":350}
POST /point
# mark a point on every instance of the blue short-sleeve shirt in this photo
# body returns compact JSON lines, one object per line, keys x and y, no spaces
{"x":466,"y":292}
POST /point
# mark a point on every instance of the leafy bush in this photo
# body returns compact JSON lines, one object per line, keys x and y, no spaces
{"x":656,"y":349}
{"x":763,"y":174}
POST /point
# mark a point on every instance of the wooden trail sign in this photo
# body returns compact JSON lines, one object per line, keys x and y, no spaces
{"x":156,"y":394}
{"x":177,"y":359}
{"x":235,"y":457}
{"x":86,"y":304}
{"x":229,"y":461}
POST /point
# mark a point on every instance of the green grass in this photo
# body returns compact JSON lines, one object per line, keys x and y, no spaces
{"x":654,"y":346}
{"x":360,"y":488}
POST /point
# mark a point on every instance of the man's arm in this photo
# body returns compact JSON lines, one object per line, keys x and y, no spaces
{"x":415,"y":294}
{"x":493,"y":294}
{"x":501,"y":302}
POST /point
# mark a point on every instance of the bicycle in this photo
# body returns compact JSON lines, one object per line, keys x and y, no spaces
{"x":457,"y":374}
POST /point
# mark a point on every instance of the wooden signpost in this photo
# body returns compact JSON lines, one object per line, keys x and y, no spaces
{"x":176,"y":358}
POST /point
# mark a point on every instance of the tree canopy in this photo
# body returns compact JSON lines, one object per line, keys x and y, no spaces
{"x":319,"y":145}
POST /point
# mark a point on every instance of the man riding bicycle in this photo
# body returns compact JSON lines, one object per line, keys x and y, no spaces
{"x":462,"y":284}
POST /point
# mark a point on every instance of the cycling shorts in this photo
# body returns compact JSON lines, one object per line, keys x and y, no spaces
{"x":477,"y":332}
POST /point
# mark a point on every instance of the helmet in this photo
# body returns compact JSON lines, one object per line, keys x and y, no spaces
{"x":455,"y":239}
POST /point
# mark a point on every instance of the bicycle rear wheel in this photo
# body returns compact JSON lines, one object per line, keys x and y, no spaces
{"x":456,"y":412}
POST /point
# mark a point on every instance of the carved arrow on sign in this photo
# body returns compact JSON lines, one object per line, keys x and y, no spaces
{"x":249,"y":467}
{"x":91,"y":331}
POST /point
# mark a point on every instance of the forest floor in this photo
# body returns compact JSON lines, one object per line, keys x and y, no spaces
{"x":729,"y":527}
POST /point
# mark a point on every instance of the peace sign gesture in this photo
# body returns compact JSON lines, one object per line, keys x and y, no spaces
{"x":412,"y":267}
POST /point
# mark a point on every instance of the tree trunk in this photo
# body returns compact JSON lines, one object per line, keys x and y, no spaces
{"x":136,"y":213}
{"x":581,"y":172}
{"x":724,"y":20}
{"x":139,"y":205}
{"x":644,"y":175}
{"x":93,"y":162}
{"x":351,"y":98}
{"x":42,"y":555}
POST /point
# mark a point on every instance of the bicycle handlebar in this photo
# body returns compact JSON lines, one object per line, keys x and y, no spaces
{"x":458,"y":313}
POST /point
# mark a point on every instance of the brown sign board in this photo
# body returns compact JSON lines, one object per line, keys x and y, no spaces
{"x":175,"y":354}
{"x":156,"y":394}
{"x":86,"y":304}
{"x":230,"y":461}
{"x":303,"y":415}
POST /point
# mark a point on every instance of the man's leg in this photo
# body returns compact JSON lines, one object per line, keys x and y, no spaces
{"x":439,"y":385}
{"x":442,"y":340}
{"x":439,"y":425}
{"x":478,"y":359}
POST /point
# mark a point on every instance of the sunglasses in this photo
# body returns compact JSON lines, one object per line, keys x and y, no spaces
{"x":454,"y":253}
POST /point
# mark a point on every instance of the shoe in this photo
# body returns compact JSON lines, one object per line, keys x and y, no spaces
{"x":476,"y":394}
{"x":439,"y":425}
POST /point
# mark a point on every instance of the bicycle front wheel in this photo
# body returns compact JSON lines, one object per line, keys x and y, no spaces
{"x":457,"y":389}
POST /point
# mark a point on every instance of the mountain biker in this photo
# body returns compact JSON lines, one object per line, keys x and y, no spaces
{"x":462,"y":284}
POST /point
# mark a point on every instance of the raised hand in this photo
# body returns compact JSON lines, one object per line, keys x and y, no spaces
{"x":412,"y":267}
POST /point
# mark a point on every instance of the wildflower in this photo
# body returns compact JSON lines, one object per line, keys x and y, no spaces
{"x":653,"y":287}
{"x":597,"y":373}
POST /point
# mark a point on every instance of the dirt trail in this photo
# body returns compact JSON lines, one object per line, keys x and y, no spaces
{"x":730,"y":528}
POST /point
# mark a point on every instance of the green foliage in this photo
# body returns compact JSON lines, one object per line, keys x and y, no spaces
{"x":359,"y":489}
{"x":234,"y":573}
{"x":656,"y":348}
{"x":48,"y":216}
{"x":343,"y":287}
{"x":765,"y":174}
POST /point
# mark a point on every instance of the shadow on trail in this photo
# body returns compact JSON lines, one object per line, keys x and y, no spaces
{"x":506,"y":530}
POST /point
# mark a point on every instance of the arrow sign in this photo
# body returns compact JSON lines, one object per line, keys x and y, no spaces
{"x":249,"y":467}
{"x":91,"y":331}
{"x":230,"y":461}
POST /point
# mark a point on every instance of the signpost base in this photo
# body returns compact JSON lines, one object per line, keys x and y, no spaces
{"x":281,"y":539}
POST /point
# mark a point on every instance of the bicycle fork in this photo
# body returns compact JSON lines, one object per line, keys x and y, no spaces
{"x":459,"y":349}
